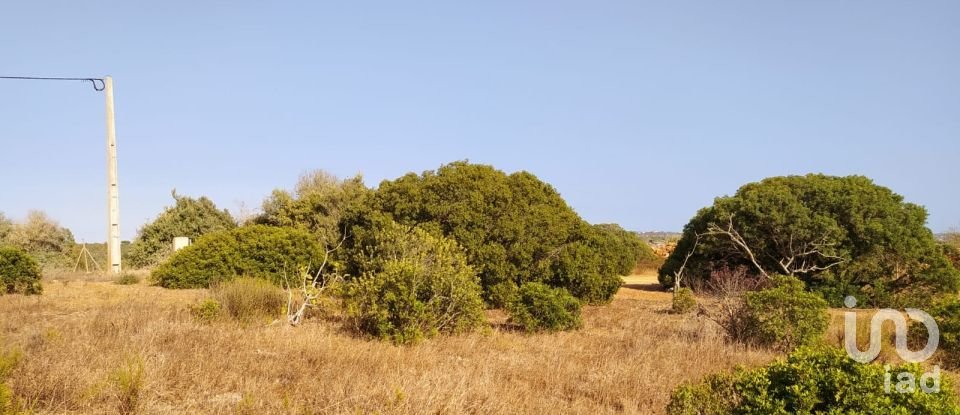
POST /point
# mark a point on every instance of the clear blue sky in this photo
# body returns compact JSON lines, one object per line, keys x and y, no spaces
{"x":638,"y":112}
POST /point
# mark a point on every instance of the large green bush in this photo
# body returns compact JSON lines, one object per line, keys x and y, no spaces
{"x":514,"y":228}
{"x":317,"y":204}
{"x":187,"y":217}
{"x":782,"y":317}
{"x":811,"y":381}
{"x":539,"y":307}
{"x":840,"y":235}
{"x":256,"y":251}
{"x":19,"y":273}
{"x":412,"y":285}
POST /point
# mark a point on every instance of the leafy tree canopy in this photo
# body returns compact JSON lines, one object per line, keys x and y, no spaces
{"x":188,"y":217}
{"x":840,"y":235}
{"x":316,"y":204}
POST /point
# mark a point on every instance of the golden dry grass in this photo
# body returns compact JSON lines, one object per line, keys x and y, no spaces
{"x":81,"y":339}
{"x":79,"y":335}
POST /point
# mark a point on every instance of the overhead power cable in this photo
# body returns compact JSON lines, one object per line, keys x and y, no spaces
{"x":97,"y":82}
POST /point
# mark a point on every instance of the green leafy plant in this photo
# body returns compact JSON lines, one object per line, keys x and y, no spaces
{"x":840,"y":235}
{"x":539,"y":307}
{"x":19,"y":273}
{"x":684,"y":301}
{"x":810,"y":381}
{"x":782,"y":317}
{"x":188,"y":217}
{"x":413,"y":285}
{"x":206,"y":311}
{"x":256,"y":251}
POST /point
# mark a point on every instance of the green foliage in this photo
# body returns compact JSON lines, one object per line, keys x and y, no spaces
{"x":19,"y":273}
{"x":187,"y":217}
{"x":952,"y":251}
{"x":947,"y":315}
{"x":539,"y":307}
{"x":684,"y":301}
{"x":801,"y":225}
{"x":514,"y":228}
{"x":41,"y":237}
{"x":412,"y":285}
{"x":317,"y":205}
{"x":782,"y":317}
{"x":206,"y":311}
{"x":247,"y":299}
{"x":257,"y":251}
{"x":810,"y":381}
{"x":127,"y":279}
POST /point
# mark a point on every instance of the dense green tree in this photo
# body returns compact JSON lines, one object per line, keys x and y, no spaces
{"x":188,"y":217}
{"x":514,"y":228}
{"x":840,"y":235}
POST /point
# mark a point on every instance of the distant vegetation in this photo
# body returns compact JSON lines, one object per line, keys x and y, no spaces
{"x":840,"y":235}
{"x":50,"y":244}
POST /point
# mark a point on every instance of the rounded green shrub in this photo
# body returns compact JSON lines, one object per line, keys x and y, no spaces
{"x":256,"y":251}
{"x":412,"y":285}
{"x":19,"y":273}
{"x":811,"y":381}
{"x":514,"y":228}
{"x":540,"y":307}
{"x":782,"y":317}
{"x":684,"y":301}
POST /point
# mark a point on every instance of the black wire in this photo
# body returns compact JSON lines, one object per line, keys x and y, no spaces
{"x":98,"y":84}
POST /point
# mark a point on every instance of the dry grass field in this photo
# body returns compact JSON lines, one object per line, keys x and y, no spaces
{"x":96,"y":347}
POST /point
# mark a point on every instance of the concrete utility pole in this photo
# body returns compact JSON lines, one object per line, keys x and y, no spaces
{"x":113,"y":191}
{"x":113,"y":196}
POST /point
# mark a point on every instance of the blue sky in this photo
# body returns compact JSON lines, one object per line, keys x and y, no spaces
{"x":637,"y":112}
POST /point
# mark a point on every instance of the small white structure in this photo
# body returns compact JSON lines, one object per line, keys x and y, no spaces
{"x":180,"y":242}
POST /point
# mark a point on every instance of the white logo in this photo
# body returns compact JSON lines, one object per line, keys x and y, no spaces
{"x":907,"y":381}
